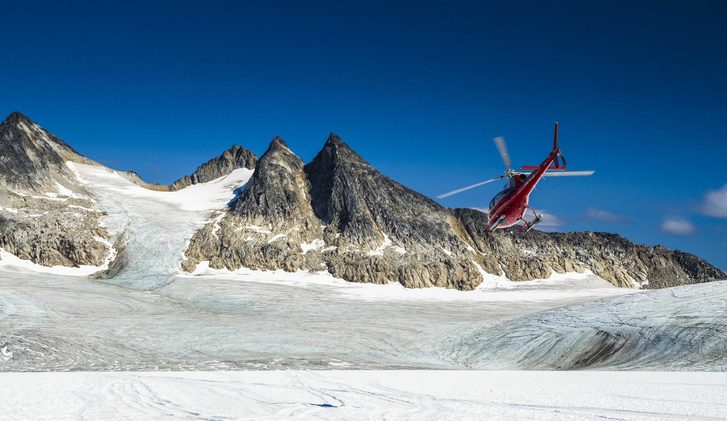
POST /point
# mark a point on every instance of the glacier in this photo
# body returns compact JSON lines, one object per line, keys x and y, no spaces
{"x":172,"y":328}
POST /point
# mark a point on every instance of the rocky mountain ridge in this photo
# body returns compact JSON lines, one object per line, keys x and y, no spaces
{"x":337,"y":213}
{"x":231,"y":159}
{"x":46,"y":216}
{"x":340,"y":214}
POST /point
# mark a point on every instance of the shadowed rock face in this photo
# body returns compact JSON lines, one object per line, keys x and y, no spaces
{"x":230,"y":160}
{"x":383,"y":230}
{"x":32,"y":158}
{"x":45,"y":214}
{"x":340,"y":214}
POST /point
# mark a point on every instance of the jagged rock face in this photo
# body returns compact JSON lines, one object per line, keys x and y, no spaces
{"x":340,"y":214}
{"x":266,"y":223}
{"x":383,"y":230}
{"x":45,"y":214}
{"x":31,"y":158}
{"x":536,"y":254}
{"x":337,"y":214}
{"x":278,"y":190}
{"x":55,"y":237}
{"x":230,"y":160}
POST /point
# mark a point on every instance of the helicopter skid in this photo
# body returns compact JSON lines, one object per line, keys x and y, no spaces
{"x":528,"y":225}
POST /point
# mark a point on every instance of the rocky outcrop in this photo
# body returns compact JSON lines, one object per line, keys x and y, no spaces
{"x":381,"y":229}
{"x":337,"y":213}
{"x":340,"y":214}
{"x":46,"y":216}
{"x":266,"y":223}
{"x":536,"y":254}
{"x":135,"y":178}
{"x":33,"y":159}
{"x":230,"y":160}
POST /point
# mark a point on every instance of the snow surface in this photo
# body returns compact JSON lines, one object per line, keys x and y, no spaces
{"x":151,"y":317}
{"x":140,"y":214}
{"x":253,"y":321}
{"x":155,"y":225}
{"x":494,"y":288}
{"x":681,"y":328}
{"x":433,"y":395}
{"x":11,"y":263}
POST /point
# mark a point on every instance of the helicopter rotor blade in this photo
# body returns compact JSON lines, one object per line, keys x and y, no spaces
{"x":482,"y":183}
{"x":502,"y":148}
{"x":568,"y":173}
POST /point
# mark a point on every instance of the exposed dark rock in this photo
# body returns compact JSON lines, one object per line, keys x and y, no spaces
{"x":536,"y":254}
{"x":366,"y":210}
{"x":45,"y":214}
{"x":31,"y":158}
{"x":266,"y":223}
{"x":230,"y":160}
{"x":340,"y":214}
{"x":337,"y":213}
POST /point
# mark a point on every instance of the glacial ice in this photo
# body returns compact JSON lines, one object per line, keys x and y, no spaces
{"x":150,"y":316}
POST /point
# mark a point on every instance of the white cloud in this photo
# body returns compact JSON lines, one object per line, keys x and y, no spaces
{"x":605,"y":216}
{"x":678,"y":226}
{"x":549,"y":222}
{"x":715,"y":203}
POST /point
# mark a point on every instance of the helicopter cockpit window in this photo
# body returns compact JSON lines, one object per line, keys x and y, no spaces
{"x":498,"y":196}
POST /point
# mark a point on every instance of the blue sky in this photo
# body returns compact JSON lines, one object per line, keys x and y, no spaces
{"x":418,"y":88}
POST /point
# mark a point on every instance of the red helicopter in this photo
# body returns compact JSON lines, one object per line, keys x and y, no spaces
{"x":509,"y":206}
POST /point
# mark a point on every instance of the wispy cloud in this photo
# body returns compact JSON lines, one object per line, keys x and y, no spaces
{"x":549,"y":222}
{"x":715,"y":203}
{"x":605,"y":216}
{"x":678,"y":226}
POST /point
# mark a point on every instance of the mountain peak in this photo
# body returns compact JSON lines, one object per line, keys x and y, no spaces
{"x":335,"y":140}
{"x":278,"y":189}
{"x":336,"y":150}
{"x":231,"y":159}
{"x":277,"y":143}
{"x":17,"y":117}
{"x":33,"y":158}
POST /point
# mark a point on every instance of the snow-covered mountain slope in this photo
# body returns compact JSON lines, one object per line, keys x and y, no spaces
{"x":346,"y":395}
{"x":46,"y":217}
{"x":153,"y":226}
{"x":231,"y":159}
{"x":680,"y":328}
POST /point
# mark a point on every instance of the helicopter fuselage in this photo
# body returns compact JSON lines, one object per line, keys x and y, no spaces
{"x":508,"y":206}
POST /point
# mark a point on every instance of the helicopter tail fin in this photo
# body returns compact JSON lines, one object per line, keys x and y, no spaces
{"x":558,"y":163}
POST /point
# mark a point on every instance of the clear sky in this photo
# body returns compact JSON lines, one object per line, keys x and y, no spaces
{"x":418,"y":88}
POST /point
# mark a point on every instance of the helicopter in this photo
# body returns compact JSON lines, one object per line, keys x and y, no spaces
{"x":509,"y":206}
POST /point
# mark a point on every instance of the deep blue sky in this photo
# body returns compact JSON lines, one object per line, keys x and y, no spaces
{"x":418,"y":88}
